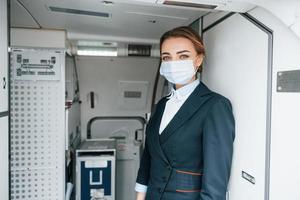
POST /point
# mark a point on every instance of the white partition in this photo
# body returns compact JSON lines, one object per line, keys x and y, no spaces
{"x":4,"y":184}
{"x":4,"y":141}
{"x":37,"y":124}
{"x":29,"y":37}
{"x":3,"y":58}
{"x":107,"y":77}
{"x":285,"y":127}
{"x":237,"y":67}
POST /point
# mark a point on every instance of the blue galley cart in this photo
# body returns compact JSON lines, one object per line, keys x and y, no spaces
{"x":95,"y":170}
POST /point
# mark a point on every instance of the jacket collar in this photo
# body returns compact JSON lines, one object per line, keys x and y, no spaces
{"x":189,"y":107}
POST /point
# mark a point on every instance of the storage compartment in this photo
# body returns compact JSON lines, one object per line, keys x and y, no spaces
{"x":95,"y":170}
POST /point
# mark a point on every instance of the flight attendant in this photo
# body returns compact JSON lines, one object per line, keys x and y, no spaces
{"x":189,"y":137}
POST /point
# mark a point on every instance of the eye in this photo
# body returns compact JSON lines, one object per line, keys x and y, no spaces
{"x":166,"y":58}
{"x":184,"y":56}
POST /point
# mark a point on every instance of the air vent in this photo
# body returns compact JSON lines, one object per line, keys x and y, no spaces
{"x":139,"y":50}
{"x":79,"y":12}
{"x":190,"y":4}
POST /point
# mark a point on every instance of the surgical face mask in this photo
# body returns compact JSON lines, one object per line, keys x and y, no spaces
{"x":178,"y":72}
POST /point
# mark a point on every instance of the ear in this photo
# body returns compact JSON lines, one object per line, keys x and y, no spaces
{"x":199,"y":60}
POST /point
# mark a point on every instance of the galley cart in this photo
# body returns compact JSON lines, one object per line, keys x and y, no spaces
{"x":95,"y":170}
{"x":129,"y":134}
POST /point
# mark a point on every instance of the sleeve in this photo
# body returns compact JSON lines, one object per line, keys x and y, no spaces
{"x":143,"y":173}
{"x":218,"y":137}
{"x":140,"y":188}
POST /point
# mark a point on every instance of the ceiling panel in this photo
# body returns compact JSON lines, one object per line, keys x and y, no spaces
{"x":128,"y":18}
{"x":20,"y":17}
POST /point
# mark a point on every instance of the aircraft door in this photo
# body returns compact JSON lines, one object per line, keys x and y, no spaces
{"x":238,"y":66}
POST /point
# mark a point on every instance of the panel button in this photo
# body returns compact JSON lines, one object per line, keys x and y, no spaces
{"x":160,"y":190}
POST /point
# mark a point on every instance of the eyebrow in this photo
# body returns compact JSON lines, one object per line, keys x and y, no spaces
{"x":179,"y":52}
{"x":184,"y":51}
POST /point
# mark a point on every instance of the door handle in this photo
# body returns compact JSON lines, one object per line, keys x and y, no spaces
{"x":4,"y":83}
{"x":92,"y":182}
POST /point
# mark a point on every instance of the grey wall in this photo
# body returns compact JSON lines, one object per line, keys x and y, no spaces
{"x":102,"y":75}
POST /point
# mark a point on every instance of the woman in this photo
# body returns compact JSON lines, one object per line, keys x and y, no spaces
{"x":189,"y":138}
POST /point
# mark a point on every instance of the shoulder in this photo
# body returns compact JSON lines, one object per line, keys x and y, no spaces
{"x":214,"y":97}
{"x":221,"y":109}
{"x":218,"y":98}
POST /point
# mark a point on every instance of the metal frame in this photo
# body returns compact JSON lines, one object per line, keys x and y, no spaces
{"x":269,"y":32}
{"x":89,"y":124}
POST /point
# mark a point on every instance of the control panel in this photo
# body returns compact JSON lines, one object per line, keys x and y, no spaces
{"x":36,"y":65}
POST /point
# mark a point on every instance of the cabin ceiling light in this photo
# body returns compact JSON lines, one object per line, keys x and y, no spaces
{"x":96,"y":43}
{"x":189,"y":4}
{"x":97,"y":51}
{"x":154,"y":15}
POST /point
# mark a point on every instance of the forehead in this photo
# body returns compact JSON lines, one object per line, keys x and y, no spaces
{"x":175,"y":44}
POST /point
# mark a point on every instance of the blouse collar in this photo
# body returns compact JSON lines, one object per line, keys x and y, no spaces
{"x":183,"y":92}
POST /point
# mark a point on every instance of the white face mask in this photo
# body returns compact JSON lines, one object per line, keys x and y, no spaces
{"x":178,"y":72}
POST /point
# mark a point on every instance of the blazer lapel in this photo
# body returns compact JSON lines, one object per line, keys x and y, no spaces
{"x":189,"y":107}
{"x":154,"y":128}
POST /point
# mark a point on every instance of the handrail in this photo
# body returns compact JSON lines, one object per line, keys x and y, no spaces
{"x":89,"y":124}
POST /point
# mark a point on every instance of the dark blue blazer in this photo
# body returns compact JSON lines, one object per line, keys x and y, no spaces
{"x":191,"y":159}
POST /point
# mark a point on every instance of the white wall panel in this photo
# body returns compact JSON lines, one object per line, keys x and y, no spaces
{"x":26,"y":37}
{"x":102,"y":75}
{"x":4,"y":184}
{"x":237,"y":66}
{"x":3,"y":57}
{"x":37,"y":127}
{"x":4,"y":130}
{"x":285,"y":148}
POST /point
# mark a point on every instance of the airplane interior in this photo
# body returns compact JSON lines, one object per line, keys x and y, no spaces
{"x":80,"y":80}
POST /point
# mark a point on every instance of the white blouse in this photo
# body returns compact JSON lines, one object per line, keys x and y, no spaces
{"x":176,"y":100}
